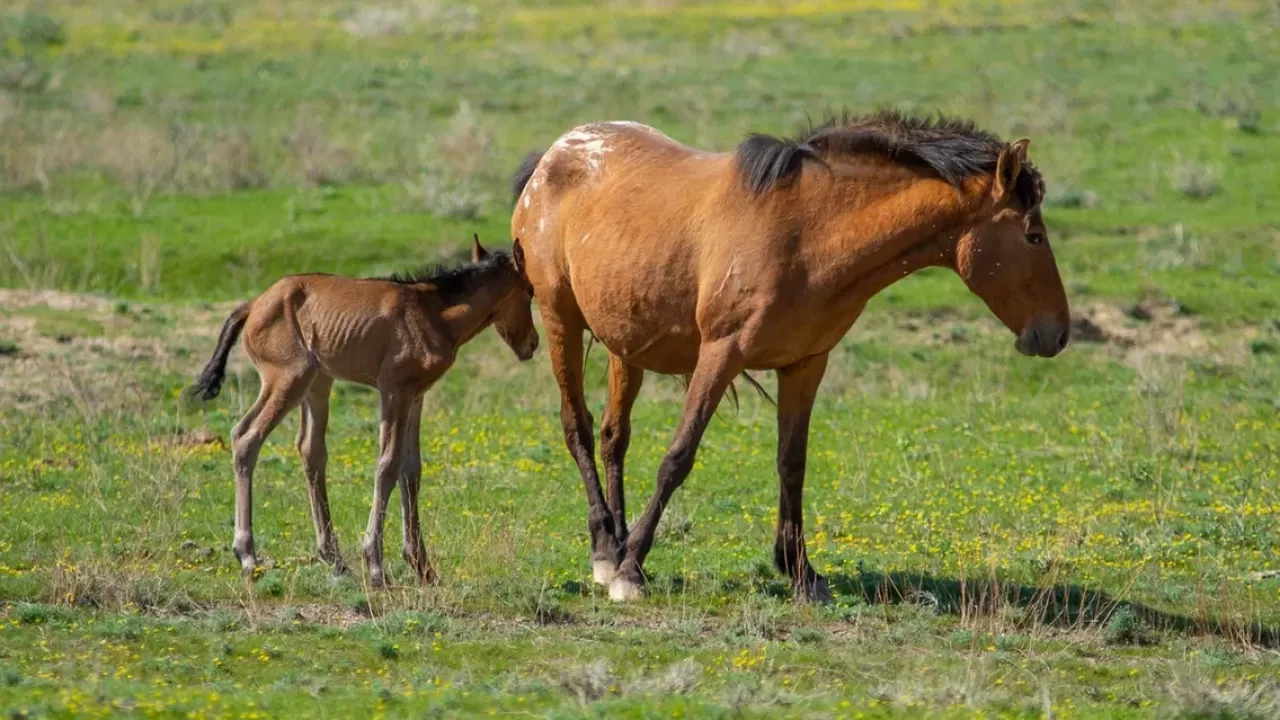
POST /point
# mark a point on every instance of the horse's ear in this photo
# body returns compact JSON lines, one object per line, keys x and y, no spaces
{"x":517,"y":256}
{"x":1008,"y":167}
{"x":477,"y":253}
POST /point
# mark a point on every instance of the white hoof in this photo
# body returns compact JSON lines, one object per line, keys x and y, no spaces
{"x":623,"y":590}
{"x":602,"y":572}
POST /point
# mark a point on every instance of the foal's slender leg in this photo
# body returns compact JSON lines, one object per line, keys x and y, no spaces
{"x":282,"y":390}
{"x":797,"y":387}
{"x":564,"y":327}
{"x":718,"y":364}
{"x":395,"y":412}
{"x":415,"y":551}
{"x":615,"y":436}
{"x":313,"y":421}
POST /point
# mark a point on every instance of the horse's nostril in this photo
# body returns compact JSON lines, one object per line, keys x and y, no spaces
{"x":1063,"y":338}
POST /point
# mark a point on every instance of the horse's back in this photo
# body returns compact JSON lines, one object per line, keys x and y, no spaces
{"x":613,"y":216}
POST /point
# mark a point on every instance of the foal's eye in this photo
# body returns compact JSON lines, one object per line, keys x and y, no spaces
{"x":1035,"y":238}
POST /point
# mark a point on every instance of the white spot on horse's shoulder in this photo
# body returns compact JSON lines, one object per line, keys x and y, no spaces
{"x":533,"y":185}
{"x":542,"y":224}
{"x":522,"y":229}
{"x":526,"y":199}
{"x":584,"y":237}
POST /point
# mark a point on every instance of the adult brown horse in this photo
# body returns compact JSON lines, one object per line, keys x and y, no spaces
{"x":694,"y":263}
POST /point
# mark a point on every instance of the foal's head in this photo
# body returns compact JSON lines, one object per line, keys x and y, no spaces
{"x":1005,"y":259}
{"x":513,"y":312}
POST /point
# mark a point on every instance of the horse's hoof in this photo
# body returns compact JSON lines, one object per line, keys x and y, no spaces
{"x":624,"y":590}
{"x":815,"y":592}
{"x":603,"y":571}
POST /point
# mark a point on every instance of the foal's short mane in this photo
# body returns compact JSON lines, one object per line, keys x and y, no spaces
{"x":953,"y":148}
{"x":454,"y":283}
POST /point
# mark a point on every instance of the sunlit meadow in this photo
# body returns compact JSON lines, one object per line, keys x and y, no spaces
{"x":1092,"y":536}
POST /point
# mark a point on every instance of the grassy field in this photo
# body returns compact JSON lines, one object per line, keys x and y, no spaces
{"x":1093,"y":536}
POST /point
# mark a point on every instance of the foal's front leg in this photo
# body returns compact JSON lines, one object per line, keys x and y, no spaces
{"x":718,"y":364}
{"x":415,"y":550}
{"x":797,"y":388}
{"x":395,"y":422}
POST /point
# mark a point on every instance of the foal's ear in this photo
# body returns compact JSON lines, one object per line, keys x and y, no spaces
{"x":517,"y":256}
{"x":1008,"y":167}
{"x":477,"y":253}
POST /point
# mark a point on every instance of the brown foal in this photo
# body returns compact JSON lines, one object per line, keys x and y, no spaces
{"x":682,"y":261}
{"x":398,"y":334}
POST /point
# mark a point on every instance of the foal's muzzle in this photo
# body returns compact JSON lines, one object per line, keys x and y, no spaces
{"x":1043,"y":338}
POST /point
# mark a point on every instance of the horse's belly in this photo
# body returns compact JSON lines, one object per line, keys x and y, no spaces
{"x":657,"y":343}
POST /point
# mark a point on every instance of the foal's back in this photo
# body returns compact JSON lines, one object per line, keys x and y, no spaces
{"x":360,"y":330}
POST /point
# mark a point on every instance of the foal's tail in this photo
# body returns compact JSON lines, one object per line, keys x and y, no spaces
{"x":209,"y":384}
{"x":523,"y":173}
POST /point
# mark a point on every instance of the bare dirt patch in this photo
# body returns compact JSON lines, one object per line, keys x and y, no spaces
{"x":1151,"y":329}
{"x":91,"y":348}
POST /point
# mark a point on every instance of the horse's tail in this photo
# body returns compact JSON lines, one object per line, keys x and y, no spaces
{"x":523,"y":173}
{"x":209,"y":384}
{"x":733,"y":388}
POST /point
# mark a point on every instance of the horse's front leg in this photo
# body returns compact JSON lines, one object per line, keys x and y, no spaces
{"x":615,"y":436}
{"x":797,"y":388}
{"x":718,"y":363}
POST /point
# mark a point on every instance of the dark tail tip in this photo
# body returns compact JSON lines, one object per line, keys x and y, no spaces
{"x":209,"y":384}
{"x":523,"y":173}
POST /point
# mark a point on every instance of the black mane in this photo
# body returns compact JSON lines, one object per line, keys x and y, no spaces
{"x":454,"y":283}
{"x":952,"y":148}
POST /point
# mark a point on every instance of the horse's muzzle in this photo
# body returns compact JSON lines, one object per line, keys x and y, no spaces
{"x":1045,"y":339}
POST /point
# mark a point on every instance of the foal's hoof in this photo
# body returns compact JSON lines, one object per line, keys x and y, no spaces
{"x":603,"y":571}
{"x":624,"y":590}
{"x":814,"y":591}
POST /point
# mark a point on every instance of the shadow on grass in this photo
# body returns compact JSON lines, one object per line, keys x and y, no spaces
{"x":1068,"y":607}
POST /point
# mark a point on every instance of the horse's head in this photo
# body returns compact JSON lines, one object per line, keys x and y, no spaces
{"x":513,"y":315}
{"x":1005,"y":259}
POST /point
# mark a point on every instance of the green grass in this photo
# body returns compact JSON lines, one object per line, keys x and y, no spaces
{"x":1086,"y":537}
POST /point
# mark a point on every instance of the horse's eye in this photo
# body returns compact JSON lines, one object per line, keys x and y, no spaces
{"x":1035,"y":238}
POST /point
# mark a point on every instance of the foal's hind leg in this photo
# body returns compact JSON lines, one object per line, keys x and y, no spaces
{"x":415,"y":551}
{"x":282,"y":390}
{"x":615,"y":436}
{"x":395,"y":412}
{"x":564,"y":327}
{"x":313,"y":420}
{"x":797,"y":388}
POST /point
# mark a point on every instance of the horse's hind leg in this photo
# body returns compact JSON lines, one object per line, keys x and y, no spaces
{"x":415,"y":550}
{"x":797,"y":388}
{"x":564,"y":327}
{"x":615,"y":436}
{"x":718,"y":363}
{"x":313,"y":421}
{"x":395,"y":414}
{"x":282,"y":390}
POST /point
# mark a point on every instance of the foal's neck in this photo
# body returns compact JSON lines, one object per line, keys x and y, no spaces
{"x":469,"y":314}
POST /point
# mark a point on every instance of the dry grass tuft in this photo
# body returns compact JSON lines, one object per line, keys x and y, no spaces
{"x":1195,"y":697}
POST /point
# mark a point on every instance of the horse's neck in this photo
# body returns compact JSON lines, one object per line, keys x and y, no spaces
{"x":470,"y":315}
{"x":912,"y":226}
